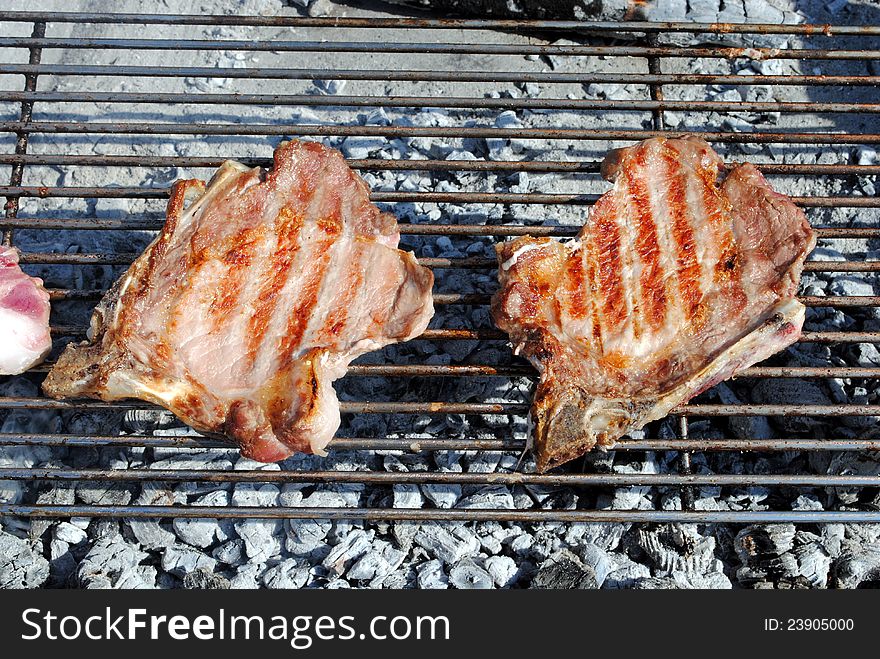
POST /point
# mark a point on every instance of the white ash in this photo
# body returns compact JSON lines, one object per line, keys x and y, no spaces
{"x":442,"y":496}
{"x":150,"y":533}
{"x":286,"y":574}
{"x":230,"y":553}
{"x":782,"y":557}
{"x":468,"y":574}
{"x":352,"y":547}
{"x":447,"y":542}
{"x":22,"y":565}
{"x":679,"y":552}
{"x":113,"y":563}
{"x":262,"y":538}
{"x":247,"y":577}
{"x":377,"y":563}
{"x":432,"y":575}
{"x":180,"y":559}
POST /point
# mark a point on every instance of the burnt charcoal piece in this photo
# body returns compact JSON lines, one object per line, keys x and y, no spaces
{"x":565,"y":570}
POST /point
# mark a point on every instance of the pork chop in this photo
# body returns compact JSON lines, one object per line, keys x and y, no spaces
{"x":252,"y":301}
{"x":674,"y":284}
{"x":24,"y":317}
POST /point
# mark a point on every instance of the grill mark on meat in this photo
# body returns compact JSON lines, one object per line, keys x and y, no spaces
{"x":609,"y":267}
{"x":288,"y":229}
{"x":653,"y":289}
{"x":659,"y":179}
{"x":592,"y":272}
{"x":706,"y":227}
{"x":341,"y":259}
{"x":574,"y":286}
{"x":242,"y":246}
{"x":628,"y":271}
{"x":689,"y":269}
{"x":301,"y":312}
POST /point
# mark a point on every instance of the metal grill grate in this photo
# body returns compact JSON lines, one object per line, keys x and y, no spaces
{"x":639,"y":64}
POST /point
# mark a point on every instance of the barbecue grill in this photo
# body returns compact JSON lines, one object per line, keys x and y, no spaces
{"x":649,"y":68}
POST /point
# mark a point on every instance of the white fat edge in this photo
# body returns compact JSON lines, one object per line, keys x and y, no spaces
{"x":329,"y":367}
{"x":509,"y":263}
{"x":227,"y":173}
{"x":228,"y":169}
{"x":126,"y":383}
{"x":334,"y":365}
{"x":573,"y":245}
{"x":167,"y":394}
{"x":9,"y":254}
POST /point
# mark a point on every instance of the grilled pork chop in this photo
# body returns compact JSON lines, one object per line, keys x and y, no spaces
{"x":24,"y":317}
{"x":674,"y":284}
{"x":252,"y":301}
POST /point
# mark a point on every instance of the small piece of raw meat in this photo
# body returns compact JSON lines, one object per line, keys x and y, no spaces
{"x":24,"y":317}
{"x":252,"y":301}
{"x":674,"y":284}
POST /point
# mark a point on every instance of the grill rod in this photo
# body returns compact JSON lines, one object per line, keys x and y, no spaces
{"x":444,"y":407}
{"x":495,"y":335}
{"x":483,"y":230}
{"x":481,"y":299}
{"x":439,"y":477}
{"x":440,"y":23}
{"x":444,"y":48}
{"x":464,"y":197}
{"x":526,"y":370}
{"x":456,"y":102}
{"x":450,"y":514}
{"x":312,"y":130}
{"x":437,"y":76}
{"x":379,"y":164}
{"x":418,"y":444}
{"x":123,"y":258}
{"x":22,"y":137}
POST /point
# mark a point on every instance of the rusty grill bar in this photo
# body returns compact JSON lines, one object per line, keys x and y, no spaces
{"x":401,"y":131}
{"x":656,"y":103}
